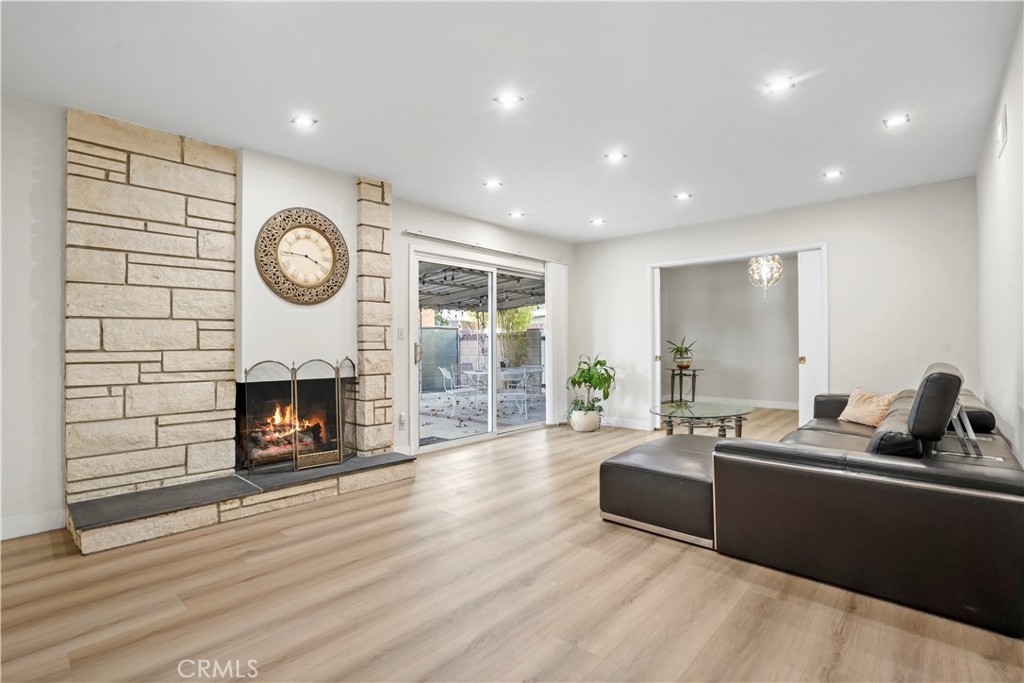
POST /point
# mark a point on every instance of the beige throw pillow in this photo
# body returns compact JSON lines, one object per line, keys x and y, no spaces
{"x":867,"y":407}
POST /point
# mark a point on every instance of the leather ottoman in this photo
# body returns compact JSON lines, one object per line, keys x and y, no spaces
{"x":663,"y":486}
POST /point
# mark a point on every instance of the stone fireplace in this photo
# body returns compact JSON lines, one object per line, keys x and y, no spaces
{"x":151,"y":400}
{"x":149,"y":308}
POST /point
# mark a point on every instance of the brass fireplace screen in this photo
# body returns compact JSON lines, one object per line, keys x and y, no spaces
{"x":294,"y":414}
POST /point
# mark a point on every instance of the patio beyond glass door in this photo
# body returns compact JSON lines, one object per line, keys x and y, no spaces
{"x":454,"y":352}
{"x":519,"y":351}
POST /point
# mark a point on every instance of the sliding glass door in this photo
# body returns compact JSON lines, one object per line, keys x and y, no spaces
{"x":519,"y":330}
{"x":479,"y":350}
{"x":454,"y":351}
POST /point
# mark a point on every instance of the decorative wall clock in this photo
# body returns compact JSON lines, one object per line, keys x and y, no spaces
{"x":302,"y":256}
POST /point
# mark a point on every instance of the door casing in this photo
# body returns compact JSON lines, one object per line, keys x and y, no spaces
{"x":812,"y":319}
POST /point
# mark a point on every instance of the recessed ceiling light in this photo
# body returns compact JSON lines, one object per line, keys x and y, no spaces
{"x":597,"y":221}
{"x":834,"y":174}
{"x":781,"y":85}
{"x":304,"y":121}
{"x":508,"y":99}
{"x":493,"y":184}
{"x":615,"y":157}
{"x":516,"y":214}
{"x":683,"y":196}
{"x":896,"y":121}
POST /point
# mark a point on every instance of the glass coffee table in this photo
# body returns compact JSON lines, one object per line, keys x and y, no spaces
{"x":703,"y":414}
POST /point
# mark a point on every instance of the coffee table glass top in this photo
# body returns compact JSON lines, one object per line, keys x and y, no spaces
{"x":700,"y":410}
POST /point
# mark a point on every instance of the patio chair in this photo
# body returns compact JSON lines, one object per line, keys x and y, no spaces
{"x":534,"y":382}
{"x":513,"y":388}
{"x":465,"y":378}
{"x":454,"y":391}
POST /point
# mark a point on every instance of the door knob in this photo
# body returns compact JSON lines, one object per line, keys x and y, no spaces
{"x":803,"y":360}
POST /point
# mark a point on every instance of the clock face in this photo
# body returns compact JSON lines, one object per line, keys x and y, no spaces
{"x":305,"y":256}
{"x":302,"y":256}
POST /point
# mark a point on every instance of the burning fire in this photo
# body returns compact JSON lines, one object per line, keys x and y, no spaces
{"x":285,"y":423}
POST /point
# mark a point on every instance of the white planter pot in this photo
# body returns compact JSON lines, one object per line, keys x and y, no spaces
{"x":585,"y":420}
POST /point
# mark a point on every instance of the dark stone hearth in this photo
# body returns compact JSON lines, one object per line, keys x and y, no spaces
{"x":101,"y":512}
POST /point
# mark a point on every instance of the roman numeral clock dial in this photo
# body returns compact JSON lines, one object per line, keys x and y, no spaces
{"x":305,"y":256}
{"x":302,"y":256}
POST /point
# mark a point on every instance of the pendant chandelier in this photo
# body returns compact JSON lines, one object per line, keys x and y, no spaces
{"x":765,"y":271}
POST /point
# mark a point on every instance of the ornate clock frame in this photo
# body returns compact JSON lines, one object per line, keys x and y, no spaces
{"x":270,"y":270}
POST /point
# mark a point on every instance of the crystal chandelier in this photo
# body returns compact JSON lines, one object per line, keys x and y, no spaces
{"x":764,"y":271}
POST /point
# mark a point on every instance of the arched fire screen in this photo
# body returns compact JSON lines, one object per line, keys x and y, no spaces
{"x":293,"y":414}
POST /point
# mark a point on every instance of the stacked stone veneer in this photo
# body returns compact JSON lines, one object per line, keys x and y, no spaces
{"x":150,"y":308}
{"x":374,"y":401}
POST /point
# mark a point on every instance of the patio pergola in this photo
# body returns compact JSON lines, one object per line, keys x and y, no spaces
{"x":455,"y":288}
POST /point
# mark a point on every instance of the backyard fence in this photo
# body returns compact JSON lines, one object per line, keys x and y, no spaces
{"x":461,"y":350}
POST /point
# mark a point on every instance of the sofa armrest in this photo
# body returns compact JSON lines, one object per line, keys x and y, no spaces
{"x":796,"y":454}
{"x":830,"y":405}
{"x":968,"y":474}
{"x":981,"y":417}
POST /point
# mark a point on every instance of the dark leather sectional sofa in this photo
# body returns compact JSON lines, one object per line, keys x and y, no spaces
{"x":896,"y":511}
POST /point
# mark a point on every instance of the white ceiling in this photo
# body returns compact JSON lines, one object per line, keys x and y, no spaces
{"x":404,"y":92}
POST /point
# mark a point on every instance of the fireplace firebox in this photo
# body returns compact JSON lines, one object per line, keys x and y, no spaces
{"x":293,"y":418}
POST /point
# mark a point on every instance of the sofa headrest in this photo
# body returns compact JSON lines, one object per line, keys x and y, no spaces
{"x":892,"y":435}
{"x":934,"y":401}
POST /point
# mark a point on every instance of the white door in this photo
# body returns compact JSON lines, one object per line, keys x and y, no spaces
{"x":556,"y":355}
{"x":655,"y":344}
{"x":813,"y":333}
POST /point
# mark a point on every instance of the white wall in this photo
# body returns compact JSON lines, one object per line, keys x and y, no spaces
{"x":437,"y":223}
{"x":32,"y":241}
{"x":902,"y":285}
{"x":33,"y":301}
{"x":903,"y":274}
{"x":270,"y":328}
{"x":1001,"y":253}
{"x":746,"y":343}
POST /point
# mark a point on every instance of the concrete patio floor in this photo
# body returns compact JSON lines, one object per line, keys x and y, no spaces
{"x":440,"y":420}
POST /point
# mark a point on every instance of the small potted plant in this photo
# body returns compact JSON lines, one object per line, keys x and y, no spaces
{"x":595,"y":377}
{"x":682,"y":353}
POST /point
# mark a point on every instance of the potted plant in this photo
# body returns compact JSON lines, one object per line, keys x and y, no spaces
{"x":682,"y":353}
{"x":596,"y":377}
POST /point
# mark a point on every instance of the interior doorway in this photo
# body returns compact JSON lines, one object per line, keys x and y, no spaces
{"x":773,"y":355}
{"x":479,"y":340}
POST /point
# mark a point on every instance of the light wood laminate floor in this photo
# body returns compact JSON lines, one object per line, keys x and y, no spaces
{"x":492,"y":565}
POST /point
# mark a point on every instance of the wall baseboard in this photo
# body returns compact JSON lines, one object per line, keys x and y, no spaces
{"x":32,"y":523}
{"x":627,"y":423}
{"x":756,"y":402}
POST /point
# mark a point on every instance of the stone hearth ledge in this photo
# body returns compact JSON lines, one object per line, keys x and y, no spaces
{"x":116,"y":521}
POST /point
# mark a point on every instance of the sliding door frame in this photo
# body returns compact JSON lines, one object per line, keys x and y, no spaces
{"x":463,"y":258}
